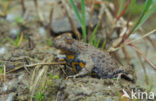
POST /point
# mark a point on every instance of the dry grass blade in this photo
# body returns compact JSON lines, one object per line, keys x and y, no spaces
{"x":147,"y":60}
{"x":149,"y":33}
{"x":3,"y":76}
{"x":92,"y":36}
{"x":38,"y":11}
{"x":67,"y":9}
{"x":4,"y":13}
{"x":124,"y":10}
{"x":39,"y":77}
{"x":4,"y":73}
{"x":130,"y":42}
{"x":32,"y":65}
{"x":51,"y":18}
{"x":126,"y":55}
{"x":23,"y":6}
{"x":151,"y":41}
{"x":35,"y":81}
{"x":143,"y":66}
{"x":20,"y":40}
{"x":91,"y":18}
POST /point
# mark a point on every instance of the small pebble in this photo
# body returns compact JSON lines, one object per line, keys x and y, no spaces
{"x":2,"y":50}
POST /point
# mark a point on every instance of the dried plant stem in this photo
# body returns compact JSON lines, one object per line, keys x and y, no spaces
{"x":100,"y":16}
{"x":124,"y":10}
{"x":35,"y":81}
{"x":147,"y":60}
{"x":67,"y":9}
{"x":126,"y":55}
{"x":4,"y":13}
{"x":6,"y":7}
{"x":38,"y":11}
{"x":91,"y":18}
{"x":23,"y":6}
{"x":151,"y":41}
{"x":51,"y":19}
{"x":4,"y":73}
{"x":127,"y":36}
{"x":126,"y":43}
{"x":151,"y":32}
{"x":39,"y":75}
{"x":143,"y":66}
{"x":109,"y":20}
{"x":32,"y":65}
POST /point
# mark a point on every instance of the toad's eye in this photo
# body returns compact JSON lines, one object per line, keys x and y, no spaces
{"x":69,"y":34}
{"x":58,"y":37}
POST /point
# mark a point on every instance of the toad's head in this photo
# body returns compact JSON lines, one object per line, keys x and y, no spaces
{"x":64,"y":42}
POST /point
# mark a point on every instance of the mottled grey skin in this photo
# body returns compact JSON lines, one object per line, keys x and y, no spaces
{"x":91,"y":56}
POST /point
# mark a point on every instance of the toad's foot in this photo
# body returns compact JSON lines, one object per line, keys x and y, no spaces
{"x":71,"y":76}
{"x":125,"y":77}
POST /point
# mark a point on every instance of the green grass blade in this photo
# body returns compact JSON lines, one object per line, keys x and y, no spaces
{"x":94,"y":33}
{"x":17,"y":38}
{"x":149,"y":12}
{"x":104,"y":44}
{"x":121,"y":3}
{"x":132,"y":5}
{"x":12,"y":41}
{"x":1,"y":68}
{"x":20,"y":40}
{"x":76,"y":11}
{"x":83,"y":20}
{"x":97,"y":43}
{"x":144,"y":15}
{"x":135,"y":8}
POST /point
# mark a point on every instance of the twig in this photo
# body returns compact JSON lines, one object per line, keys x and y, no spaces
{"x":147,"y":60}
{"x":126,"y":55}
{"x":100,"y":16}
{"x":129,"y":42}
{"x":4,"y":73}
{"x":4,"y":13}
{"x":151,"y":41}
{"x":151,"y":32}
{"x":91,"y":18}
{"x":32,"y":65}
{"x":51,"y":18}
{"x":53,"y":63}
{"x":39,"y":77}
{"x":23,"y":6}
{"x":6,"y":7}
{"x":38,"y":11}
{"x":143,"y":66}
{"x":124,"y":10}
{"x":134,"y":47}
{"x":109,"y":20}
{"x":26,"y":69}
{"x":76,"y":32}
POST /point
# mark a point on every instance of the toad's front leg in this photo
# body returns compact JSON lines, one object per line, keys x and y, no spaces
{"x":88,"y":69}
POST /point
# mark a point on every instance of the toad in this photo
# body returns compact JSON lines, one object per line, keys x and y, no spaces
{"x":96,"y":61}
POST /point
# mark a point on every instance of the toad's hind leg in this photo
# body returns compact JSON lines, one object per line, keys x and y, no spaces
{"x":88,"y":69}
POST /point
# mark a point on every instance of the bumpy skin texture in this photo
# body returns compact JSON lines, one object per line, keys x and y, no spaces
{"x":95,"y":60}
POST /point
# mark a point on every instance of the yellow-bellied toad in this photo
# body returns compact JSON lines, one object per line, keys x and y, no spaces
{"x":95,"y":60}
